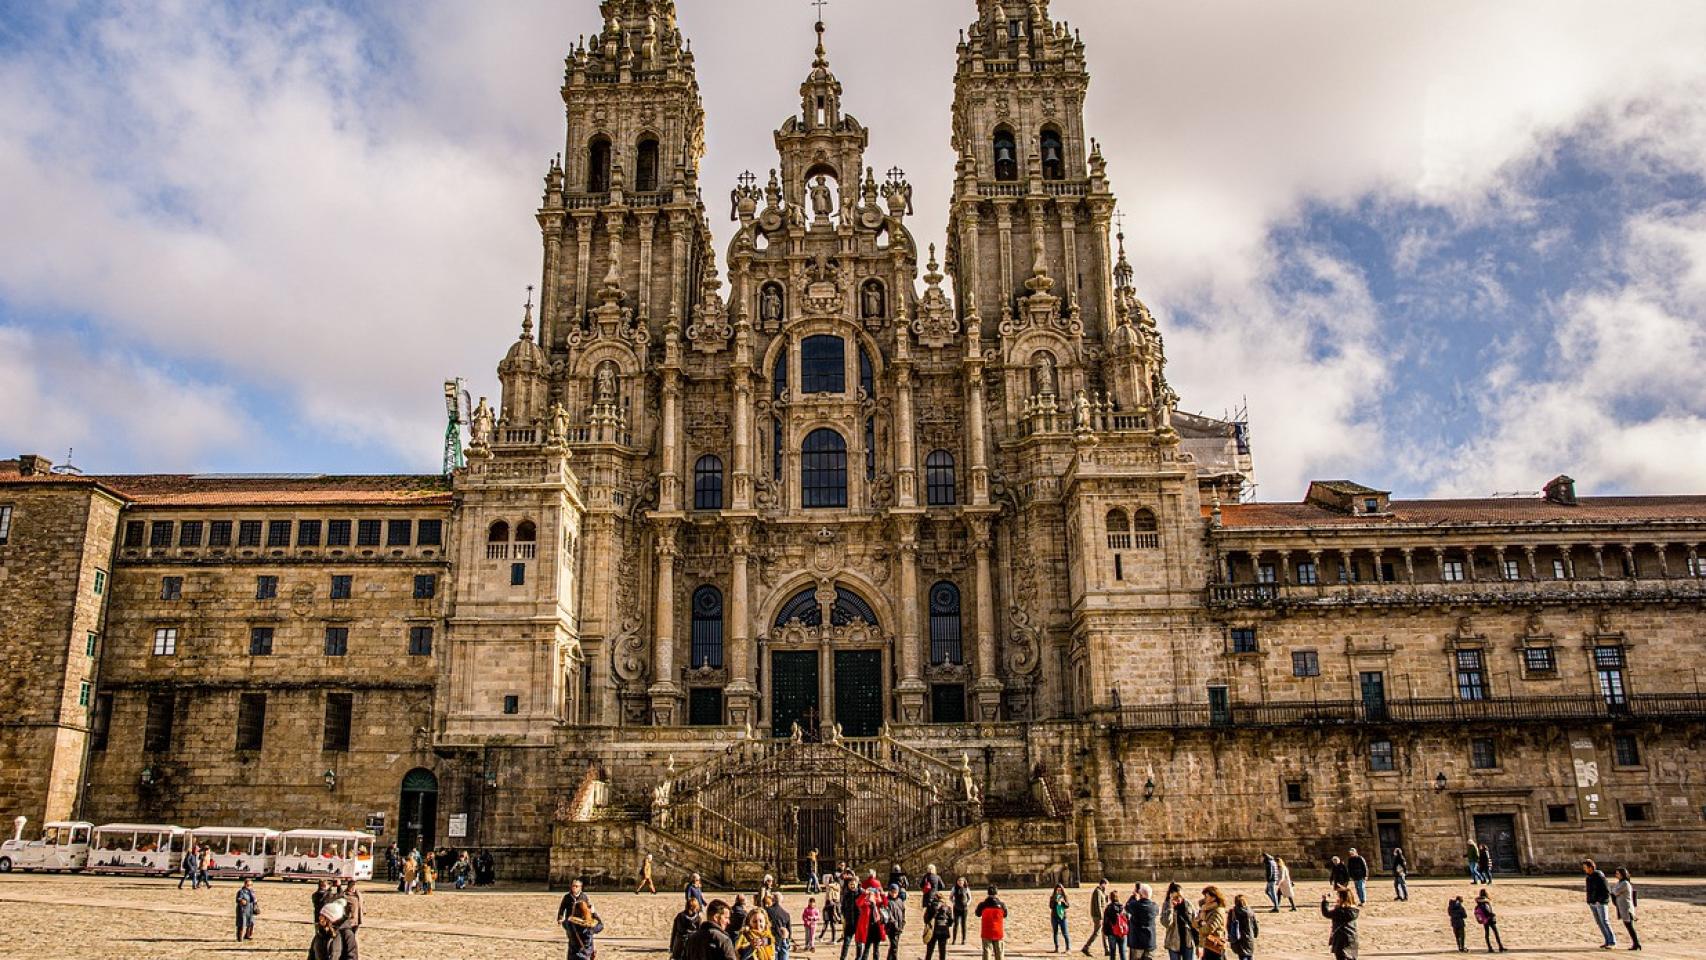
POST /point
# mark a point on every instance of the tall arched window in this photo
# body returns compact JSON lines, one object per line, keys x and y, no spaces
{"x":1119,"y":530}
{"x":779,"y":376}
{"x":823,"y":470}
{"x":707,"y":646}
{"x":498,"y":533}
{"x":867,"y":374}
{"x":708,"y":483}
{"x":1006,"y":155}
{"x":823,"y":364}
{"x":945,"y":624}
{"x":939,"y":490}
{"x":646,"y":165}
{"x":1054,"y":155}
{"x":598,"y":165}
{"x":525,"y":532}
{"x":1146,"y":533}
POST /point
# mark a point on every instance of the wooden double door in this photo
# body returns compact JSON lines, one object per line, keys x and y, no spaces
{"x":796,"y":691}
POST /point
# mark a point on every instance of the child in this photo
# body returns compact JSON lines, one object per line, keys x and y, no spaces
{"x":831,"y":915}
{"x":809,"y":917}
{"x":1459,"y":917}
{"x":1489,"y":920}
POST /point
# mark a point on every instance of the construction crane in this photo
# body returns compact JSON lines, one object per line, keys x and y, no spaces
{"x":458,"y":410}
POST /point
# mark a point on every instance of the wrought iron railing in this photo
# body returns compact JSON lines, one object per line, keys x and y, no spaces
{"x":1414,"y":710}
{"x":1465,"y":591}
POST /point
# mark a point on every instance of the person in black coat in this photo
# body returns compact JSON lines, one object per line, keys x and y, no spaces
{"x":1338,"y":874}
{"x":1142,"y":913}
{"x":582,"y":925}
{"x":1357,"y":867}
{"x":1458,"y":914}
{"x":1114,"y":939}
{"x":685,"y":926}
{"x":710,"y":942}
{"x":1343,"y":940}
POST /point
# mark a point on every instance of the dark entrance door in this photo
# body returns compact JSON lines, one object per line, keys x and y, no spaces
{"x":793,"y":690}
{"x":1498,"y":832}
{"x":1374,"y":696}
{"x":816,"y":832}
{"x":418,"y":812}
{"x":1390,"y":826}
{"x":859,"y":692}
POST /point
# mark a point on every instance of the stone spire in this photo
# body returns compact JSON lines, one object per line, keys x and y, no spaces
{"x":820,"y":95}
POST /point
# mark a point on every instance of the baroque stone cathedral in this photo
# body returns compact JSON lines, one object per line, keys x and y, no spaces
{"x":893,"y":551}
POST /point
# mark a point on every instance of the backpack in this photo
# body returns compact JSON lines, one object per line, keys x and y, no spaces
{"x":1121,"y":925}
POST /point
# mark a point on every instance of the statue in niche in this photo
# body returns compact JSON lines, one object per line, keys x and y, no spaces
{"x":874,"y":306}
{"x":604,"y":384}
{"x":770,"y":304}
{"x":480,"y":425}
{"x":1043,"y":378}
{"x":822,"y":203}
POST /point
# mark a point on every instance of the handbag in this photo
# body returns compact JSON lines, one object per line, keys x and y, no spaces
{"x":1214,"y":943}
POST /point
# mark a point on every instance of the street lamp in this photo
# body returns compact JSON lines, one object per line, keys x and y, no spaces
{"x":491,"y":779}
{"x":1149,"y":789}
{"x":331,"y":777}
{"x":1439,"y":782}
{"x":148,"y":775}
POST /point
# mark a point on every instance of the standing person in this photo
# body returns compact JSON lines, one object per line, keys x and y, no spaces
{"x":646,"y":876}
{"x":992,"y":925}
{"x":410,"y":867}
{"x":897,"y":919}
{"x":1285,"y":888}
{"x":1488,"y":920}
{"x":429,"y":874}
{"x":190,"y":869}
{"x":1339,"y":874}
{"x":809,"y":918}
{"x":1400,"y":875}
{"x":871,"y":925}
{"x":849,"y":906}
{"x":1241,"y":929}
{"x":693,"y":892}
{"x":1599,"y":896}
{"x":898,"y":878}
{"x":1057,"y":907}
{"x":1270,"y":878}
{"x":961,"y":900}
{"x":393,"y":861}
{"x":1343,"y":914}
{"x":1459,"y":917}
{"x":781,"y":925}
{"x":755,"y":941}
{"x":328,"y":942}
{"x":204,"y":857}
{"x":686,"y":924}
{"x":1484,"y":860}
{"x":1357,"y":867}
{"x":1473,"y":855}
{"x":831,"y":912}
{"x":1211,"y":923}
{"x":710,"y":942}
{"x":939,"y":919}
{"x":737,"y":914}
{"x":811,"y":871}
{"x":1114,"y":928}
{"x":1141,"y":913}
{"x":247,"y":907}
{"x":1178,"y":923}
{"x":1098,"y":903}
{"x":583,"y":924}
{"x":1624,"y":896}
{"x":932,"y":882}
{"x":320,"y":897}
{"x":566,"y":906}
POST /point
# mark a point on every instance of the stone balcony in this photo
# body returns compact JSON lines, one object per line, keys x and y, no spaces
{"x":1304,"y":596}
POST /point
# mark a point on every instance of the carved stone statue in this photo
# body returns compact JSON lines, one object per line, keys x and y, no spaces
{"x":874,"y":306}
{"x":559,"y":423}
{"x":770,"y":304}
{"x":1044,"y":380}
{"x":480,"y":425}
{"x":1081,"y":417}
{"x":604,"y":384}
{"x":822,"y":203}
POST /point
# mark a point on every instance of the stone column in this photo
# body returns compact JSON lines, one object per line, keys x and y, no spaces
{"x":974,"y":422}
{"x":1664,"y":563}
{"x":969,"y":220}
{"x":988,"y":685}
{"x":1409,"y":564}
{"x":665,"y":691}
{"x":552,"y":225}
{"x":911,"y":688}
{"x":1004,"y":226}
{"x":647,"y":220}
{"x":1533,"y":566}
{"x":741,"y":693}
{"x":742,"y":472}
{"x":1315,"y":564}
{"x":669,"y":480}
{"x":584,"y":223}
{"x":906,"y":458}
{"x":1632,"y":572}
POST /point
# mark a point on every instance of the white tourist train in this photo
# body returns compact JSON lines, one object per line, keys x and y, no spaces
{"x":155,"y":849}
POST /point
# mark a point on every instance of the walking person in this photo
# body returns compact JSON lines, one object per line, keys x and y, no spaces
{"x":582,"y":925}
{"x":710,"y":941}
{"x":1357,"y":867}
{"x":1343,"y":915}
{"x":191,"y":869}
{"x":1178,"y":925}
{"x":849,"y":906}
{"x":938,"y":926}
{"x":871,"y":927}
{"x":646,"y":876}
{"x":329,"y":941}
{"x":686,"y":924}
{"x":1484,"y":861}
{"x":692,"y":890}
{"x":1241,"y":929}
{"x":737,"y":914}
{"x":320,"y":897}
{"x":1339,"y":874}
{"x":992,"y":925}
{"x":811,"y":872}
{"x":1459,"y":917}
{"x":1211,"y":923}
{"x":809,"y":918}
{"x":1599,"y":898}
{"x":1270,"y":879}
{"x":1141,"y":913}
{"x":1285,"y":888}
{"x":896,"y":922}
{"x":411,"y":865}
{"x":1624,"y":896}
{"x":247,"y":907}
{"x":1057,"y":908}
{"x":831,"y":912}
{"x":781,"y":925}
{"x":961,"y":900}
{"x":1098,"y":903}
{"x":1114,"y":928}
{"x":1488,"y":920}
{"x":1473,"y":855}
{"x":932,"y":882}
{"x":1400,"y":875}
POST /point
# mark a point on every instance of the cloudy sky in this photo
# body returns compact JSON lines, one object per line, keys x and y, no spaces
{"x":1445,"y":247}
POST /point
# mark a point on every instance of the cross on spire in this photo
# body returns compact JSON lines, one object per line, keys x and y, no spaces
{"x":820,"y":4}
{"x":530,"y":295}
{"x":1119,"y":221}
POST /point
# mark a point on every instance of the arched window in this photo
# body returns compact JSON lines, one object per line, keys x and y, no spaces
{"x":867,"y":374}
{"x":707,"y":646}
{"x":525,"y":532}
{"x":776,"y":449}
{"x":1054,"y":155}
{"x":1119,"y":530}
{"x":847,"y":608}
{"x":598,"y":165}
{"x":708,"y":483}
{"x":1006,"y":155}
{"x":1146,"y":533}
{"x":803,"y":607}
{"x":499,"y":533}
{"x":823,"y":470}
{"x":945,"y":624}
{"x":939,"y":490}
{"x":823,"y":365}
{"x":779,"y":376}
{"x":646,"y":165}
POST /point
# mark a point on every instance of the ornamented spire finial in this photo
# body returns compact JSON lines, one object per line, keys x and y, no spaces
{"x":527,"y":316}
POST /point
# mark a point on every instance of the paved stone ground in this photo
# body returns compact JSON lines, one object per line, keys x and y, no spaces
{"x":83,"y":918}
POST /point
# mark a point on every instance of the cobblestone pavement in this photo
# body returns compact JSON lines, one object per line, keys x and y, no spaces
{"x":77,"y":917}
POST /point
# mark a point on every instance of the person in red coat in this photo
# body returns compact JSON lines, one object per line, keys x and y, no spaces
{"x":870,"y":933}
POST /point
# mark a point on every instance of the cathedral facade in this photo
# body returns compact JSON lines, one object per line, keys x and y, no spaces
{"x":887,"y":549}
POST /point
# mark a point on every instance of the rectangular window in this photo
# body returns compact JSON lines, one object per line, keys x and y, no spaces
{"x":1539,"y":660}
{"x":339,"y":708}
{"x":160,"y":534}
{"x":89,"y":643}
{"x":248,"y":533}
{"x":307,"y":533}
{"x":1637,"y":813}
{"x":189,"y":533}
{"x":1451,"y":571}
{"x":1380,"y":758}
{"x":1371,"y":505}
{"x":1219,"y":705}
{"x":1626,"y":750}
{"x":278,"y":533}
{"x":251,"y":720}
{"x":517,"y":574}
{"x":1608,"y":665}
{"x":171,"y":588}
{"x":1559,"y":570}
{"x":1557,"y":813}
{"x":5,"y":523}
{"x":83,"y":694}
{"x":398,"y":532}
{"x":337,"y":641}
{"x":266,"y":587}
{"x":134,"y":533}
{"x":101,"y":721}
{"x":704,"y":707}
{"x":1696,"y":565}
{"x":337,"y":533}
{"x":1294,"y":792}
{"x":947,"y":703}
{"x":1388,"y":574}
{"x":426,"y":586}
{"x":260,"y":641}
{"x":1483,"y":754}
{"x":1306,"y":574}
{"x":823,"y":365}
{"x":1243,"y":639}
{"x":165,"y":641}
{"x":420,"y":641}
{"x":1265,"y":573}
{"x":342,"y":584}
{"x":1305,"y":663}
{"x":100,"y":582}
{"x":1119,"y":568}
{"x":157,"y":730}
{"x":219,"y":533}
{"x":1513,"y":570}
{"x":429,"y":533}
{"x":367,"y":533}
{"x":512,"y":704}
{"x":1471,"y":675}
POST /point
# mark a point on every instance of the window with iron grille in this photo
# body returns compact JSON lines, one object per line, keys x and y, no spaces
{"x":135,"y":531}
{"x":260,"y":641}
{"x":278,"y":533}
{"x":420,"y":641}
{"x":308,"y":533}
{"x":945,"y":635}
{"x":340,"y":708}
{"x":708,"y":483}
{"x":1539,"y":659}
{"x":1243,"y":639}
{"x":398,"y":532}
{"x":251,"y":720}
{"x":337,"y":533}
{"x":1380,"y":758}
{"x":940,"y":489}
{"x":823,"y":470}
{"x":704,"y":707}
{"x":337,"y":641}
{"x":189,"y":533}
{"x":1305,"y":663}
{"x":171,"y":588}
{"x":1471,"y":675}
{"x":219,"y":533}
{"x":1483,"y":754}
{"x":343,"y":584}
{"x":160,"y":534}
{"x":1608,"y":666}
{"x":426,"y":586}
{"x":157,"y":728}
{"x":707,"y":646}
{"x":367,"y":533}
{"x":1626,"y":750}
{"x":248,"y":533}
{"x":429,"y":533}
{"x":266,"y":587}
{"x":165,"y":641}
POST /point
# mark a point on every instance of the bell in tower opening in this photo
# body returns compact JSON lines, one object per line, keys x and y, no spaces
{"x":1006,"y":155}
{"x":1054,"y":160}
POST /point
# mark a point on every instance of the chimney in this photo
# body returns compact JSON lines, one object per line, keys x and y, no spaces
{"x":1562,"y":490}
{"x":33,"y":464}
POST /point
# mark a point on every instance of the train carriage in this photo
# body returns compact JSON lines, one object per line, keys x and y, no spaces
{"x":237,"y":852}
{"x":151,"y":849}
{"x":316,"y":854}
{"x":64,"y":845}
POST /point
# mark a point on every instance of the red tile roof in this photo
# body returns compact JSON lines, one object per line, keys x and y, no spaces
{"x":1607,"y":510}
{"x":185,"y":490}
